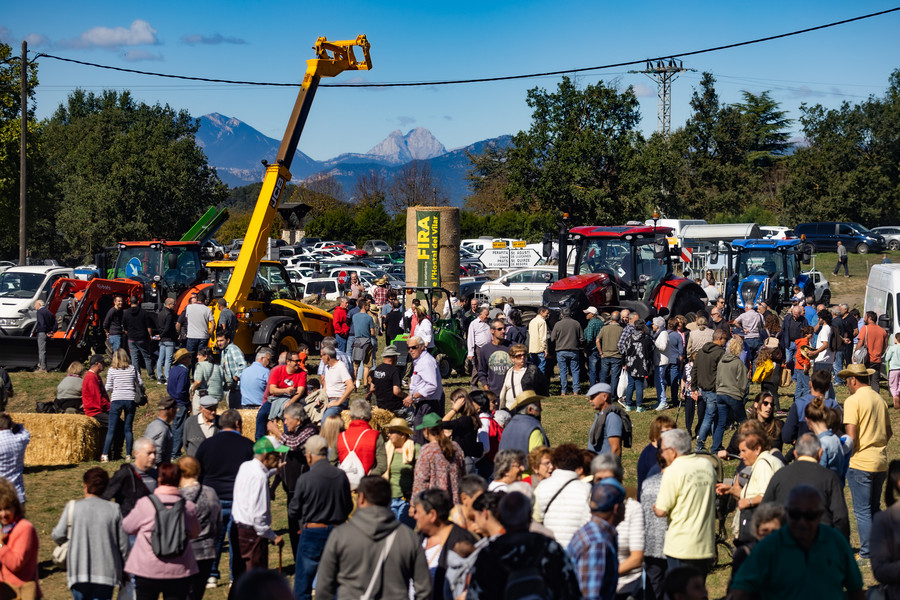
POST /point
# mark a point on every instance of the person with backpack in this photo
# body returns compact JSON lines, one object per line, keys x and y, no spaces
{"x":360,"y":449}
{"x":163,"y":523}
{"x":636,"y":346}
{"x":611,"y":425}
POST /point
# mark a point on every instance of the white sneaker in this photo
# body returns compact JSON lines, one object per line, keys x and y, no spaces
{"x":358,"y":384}
{"x":212,"y":583}
{"x":104,"y":459}
{"x":662,"y":406}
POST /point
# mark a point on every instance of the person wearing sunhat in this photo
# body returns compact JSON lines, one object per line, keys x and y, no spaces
{"x":402,"y":453}
{"x":524,"y":431}
{"x":251,"y":512}
{"x":442,"y":462}
{"x":381,"y":291}
{"x":178,"y":386}
{"x":866,"y":420}
{"x":597,"y":578}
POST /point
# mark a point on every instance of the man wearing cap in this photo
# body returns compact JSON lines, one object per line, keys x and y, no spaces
{"x":606,"y":431}
{"x":592,"y":349}
{"x":160,"y":431}
{"x":494,"y":359}
{"x":866,"y":420}
{"x":178,"y":387}
{"x":524,"y":431}
{"x":568,"y":337}
{"x":385,"y":385}
{"x":593,"y":548}
{"x":204,"y":425}
{"x":321,"y":502}
{"x":251,"y":511}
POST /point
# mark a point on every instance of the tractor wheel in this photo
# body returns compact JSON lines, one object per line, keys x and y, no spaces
{"x":443,"y":365}
{"x":287,"y":336}
{"x":685,"y":304}
{"x":811,"y":248}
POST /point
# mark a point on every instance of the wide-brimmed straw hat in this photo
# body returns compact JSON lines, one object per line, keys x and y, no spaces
{"x":525,"y":398}
{"x":856,"y":370}
{"x":399,"y":425}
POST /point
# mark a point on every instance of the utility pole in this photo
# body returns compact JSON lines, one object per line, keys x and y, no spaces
{"x":663,"y":72}
{"x":22,"y":147}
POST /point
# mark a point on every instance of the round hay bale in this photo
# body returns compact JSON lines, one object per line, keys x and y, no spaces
{"x":379,"y":421}
{"x":60,"y":439}
{"x":448,"y":245}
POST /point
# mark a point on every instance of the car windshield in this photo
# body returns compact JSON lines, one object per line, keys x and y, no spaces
{"x":757,"y":262}
{"x":20,"y":285}
{"x":860,"y":228}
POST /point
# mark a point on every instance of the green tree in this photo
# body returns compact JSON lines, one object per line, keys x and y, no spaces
{"x":126,"y":170}
{"x":487,"y":177}
{"x":765,"y":129}
{"x":578,"y":152}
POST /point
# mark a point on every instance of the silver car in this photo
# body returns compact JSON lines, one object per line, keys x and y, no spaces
{"x":891,"y":236}
{"x":525,"y":286}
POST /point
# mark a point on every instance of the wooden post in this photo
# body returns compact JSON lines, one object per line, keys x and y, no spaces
{"x":22,"y":147}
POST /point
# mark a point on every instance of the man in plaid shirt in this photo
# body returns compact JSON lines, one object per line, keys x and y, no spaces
{"x":381,"y":291}
{"x":233,"y":364}
{"x":593,"y":549}
{"x":13,"y":440}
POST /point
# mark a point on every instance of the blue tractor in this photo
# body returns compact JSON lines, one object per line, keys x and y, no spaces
{"x":767,"y":271}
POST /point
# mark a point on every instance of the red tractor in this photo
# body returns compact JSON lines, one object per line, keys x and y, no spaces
{"x":622,"y":267}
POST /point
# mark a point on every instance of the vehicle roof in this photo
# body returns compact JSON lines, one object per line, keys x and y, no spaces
{"x":42,"y":269}
{"x":231,"y":263}
{"x":767,"y":243}
{"x":619,"y":231}
{"x":162,"y":242}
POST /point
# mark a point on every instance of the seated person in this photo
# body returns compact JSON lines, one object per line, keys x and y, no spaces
{"x":68,"y":392}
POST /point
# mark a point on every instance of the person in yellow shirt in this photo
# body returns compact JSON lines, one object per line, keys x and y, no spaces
{"x":866,"y":421}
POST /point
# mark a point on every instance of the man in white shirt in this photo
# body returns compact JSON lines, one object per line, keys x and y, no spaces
{"x":251,"y":511}
{"x":537,"y":340}
{"x":823,"y":355}
{"x":338,"y":382}
{"x":425,"y":384}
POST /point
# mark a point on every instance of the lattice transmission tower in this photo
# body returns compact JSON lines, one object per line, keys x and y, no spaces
{"x":663,"y":72}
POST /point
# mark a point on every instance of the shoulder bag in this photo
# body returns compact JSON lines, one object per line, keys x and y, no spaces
{"x":388,"y":542}
{"x":861,"y":354}
{"x":140,"y":394}
{"x":61,"y":552}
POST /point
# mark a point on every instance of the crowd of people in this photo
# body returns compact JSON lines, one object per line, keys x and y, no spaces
{"x":465,"y":495}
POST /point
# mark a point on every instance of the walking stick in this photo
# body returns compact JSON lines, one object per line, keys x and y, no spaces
{"x":280,"y":548}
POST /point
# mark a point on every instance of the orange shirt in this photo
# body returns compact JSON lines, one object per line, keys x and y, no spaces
{"x":19,"y":555}
{"x":876,"y":341}
{"x":801,"y":361}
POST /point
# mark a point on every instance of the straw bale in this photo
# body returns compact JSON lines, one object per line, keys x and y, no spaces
{"x":60,"y":439}
{"x":248,"y":422}
{"x":379,"y":421}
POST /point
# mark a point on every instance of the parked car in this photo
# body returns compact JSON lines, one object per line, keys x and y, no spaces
{"x":826,"y":235}
{"x":369,"y":274}
{"x":883,"y":297}
{"x":19,"y":288}
{"x":374,"y":247}
{"x":326,"y":287}
{"x":6,"y":264}
{"x":773,"y":232}
{"x":308,"y":242}
{"x":890,"y":234}
{"x":822,"y":287}
{"x":525,"y":286}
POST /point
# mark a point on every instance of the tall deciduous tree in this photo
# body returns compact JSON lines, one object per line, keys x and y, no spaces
{"x":577,"y":154}
{"x":415,"y":185}
{"x":126,"y":170}
{"x":488,"y":178}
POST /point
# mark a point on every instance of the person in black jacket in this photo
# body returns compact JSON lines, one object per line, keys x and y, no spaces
{"x":134,"y":481}
{"x":112,"y":323}
{"x":168,"y":335}
{"x":45,"y":325}
{"x":138,"y":328}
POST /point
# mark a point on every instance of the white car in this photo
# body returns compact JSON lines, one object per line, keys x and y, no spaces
{"x":772,"y":232}
{"x":525,"y":286}
{"x":822,"y":287}
{"x":19,"y":288}
{"x":326,"y":287}
{"x":368,"y":274}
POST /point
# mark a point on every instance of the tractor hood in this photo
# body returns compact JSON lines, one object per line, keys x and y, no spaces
{"x":749,"y":290}
{"x":580,"y":282}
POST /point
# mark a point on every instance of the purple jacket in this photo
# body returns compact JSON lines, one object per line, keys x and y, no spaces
{"x":141,"y":561}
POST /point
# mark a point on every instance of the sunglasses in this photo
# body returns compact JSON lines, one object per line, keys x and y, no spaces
{"x":766,"y":403}
{"x":520,"y":355}
{"x":499,"y":328}
{"x":807,"y":515}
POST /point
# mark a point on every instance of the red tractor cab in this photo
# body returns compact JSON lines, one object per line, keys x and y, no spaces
{"x":622,"y":267}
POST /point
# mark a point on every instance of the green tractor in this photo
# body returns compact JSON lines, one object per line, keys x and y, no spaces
{"x":449,"y":346}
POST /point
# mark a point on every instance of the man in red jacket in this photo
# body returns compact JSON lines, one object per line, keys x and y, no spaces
{"x":364,"y":441}
{"x":93,"y":393}
{"x":341,"y":324}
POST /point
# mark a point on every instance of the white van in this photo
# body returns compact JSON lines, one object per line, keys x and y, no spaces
{"x":19,"y":288}
{"x":883,"y":296}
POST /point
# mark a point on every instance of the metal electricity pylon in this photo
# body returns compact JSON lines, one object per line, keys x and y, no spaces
{"x":663,"y":72}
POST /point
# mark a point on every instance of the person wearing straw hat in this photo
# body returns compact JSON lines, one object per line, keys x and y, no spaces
{"x":402,"y":453}
{"x":385,"y":385}
{"x":381,"y":291}
{"x":866,"y":420}
{"x":524,"y":431}
{"x":251,"y":511}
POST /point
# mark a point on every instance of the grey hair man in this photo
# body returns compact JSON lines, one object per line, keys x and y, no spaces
{"x":338,"y":383}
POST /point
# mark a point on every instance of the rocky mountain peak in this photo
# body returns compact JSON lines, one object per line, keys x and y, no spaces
{"x":417,"y":144}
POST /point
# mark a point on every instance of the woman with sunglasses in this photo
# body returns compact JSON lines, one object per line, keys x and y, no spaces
{"x":763,"y":412}
{"x":520,"y":377}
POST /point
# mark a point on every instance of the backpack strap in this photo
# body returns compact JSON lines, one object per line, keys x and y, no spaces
{"x":385,"y":550}
{"x":556,"y":495}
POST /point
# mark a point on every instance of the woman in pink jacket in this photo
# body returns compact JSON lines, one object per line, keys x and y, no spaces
{"x":153,"y":575}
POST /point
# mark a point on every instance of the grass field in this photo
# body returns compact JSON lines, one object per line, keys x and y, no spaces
{"x":566,"y":419}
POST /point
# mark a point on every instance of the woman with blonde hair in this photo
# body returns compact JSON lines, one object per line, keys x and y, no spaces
{"x":68,"y":392}
{"x":332,"y":427}
{"x":731,"y":383}
{"x":123,"y":383}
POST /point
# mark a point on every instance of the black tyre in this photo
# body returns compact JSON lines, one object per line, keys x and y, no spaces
{"x":894,"y":245}
{"x":443,"y":365}
{"x":287,"y":336}
{"x":810,"y":247}
{"x":826,"y":298}
{"x":862,"y":248}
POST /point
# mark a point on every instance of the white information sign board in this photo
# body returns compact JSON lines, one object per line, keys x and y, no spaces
{"x":517,"y":258}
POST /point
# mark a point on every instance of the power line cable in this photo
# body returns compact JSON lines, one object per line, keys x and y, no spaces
{"x":486,"y":79}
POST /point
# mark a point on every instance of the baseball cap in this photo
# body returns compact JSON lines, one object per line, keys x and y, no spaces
{"x":605,"y":494}
{"x":98,"y":358}
{"x":591,"y":309}
{"x":267,"y":444}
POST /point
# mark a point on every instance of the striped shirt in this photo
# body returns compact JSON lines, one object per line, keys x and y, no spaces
{"x":120,"y":383}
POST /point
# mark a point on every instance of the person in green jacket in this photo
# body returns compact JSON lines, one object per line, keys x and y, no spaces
{"x":731,"y":382}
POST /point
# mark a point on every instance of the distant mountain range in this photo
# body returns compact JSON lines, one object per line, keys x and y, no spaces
{"x":235,"y":149}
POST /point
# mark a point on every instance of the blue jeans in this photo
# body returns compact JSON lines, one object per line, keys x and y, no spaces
{"x":91,"y":591}
{"x":115,"y":408}
{"x":193,"y":344}
{"x":593,"y":366}
{"x":568,"y":360}
{"x":309,"y":553}
{"x":164,"y":362}
{"x":262,"y":419}
{"x":178,"y":428}
{"x":610,"y":370}
{"x":636,"y":385}
{"x":140,"y":348}
{"x":709,"y":418}
{"x":838,"y":367}
{"x":333,"y":411}
{"x":400,"y":508}
{"x":341,"y":342}
{"x":826,"y":367}
{"x":115,"y":342}
{"x":801,"y":380}
{"x":224,"y":534}
{"x":865,"y":491}
{"x":539,"y":359}
{"x":661,"y":380}
{"x":753,"y":346}
{"x":723,"y":405}
{"x":674,"y":375}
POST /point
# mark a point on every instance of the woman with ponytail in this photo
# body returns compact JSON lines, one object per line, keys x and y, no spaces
{"x":835,"y":452}
{"x":441,"y":462}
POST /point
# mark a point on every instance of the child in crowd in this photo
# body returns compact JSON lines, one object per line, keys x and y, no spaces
{"x":802,"y":364}
{"x":892,"y":361}
{"x":764,"y":374}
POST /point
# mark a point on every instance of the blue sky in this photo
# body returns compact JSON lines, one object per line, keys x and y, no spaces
{"x":426,"y":41}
